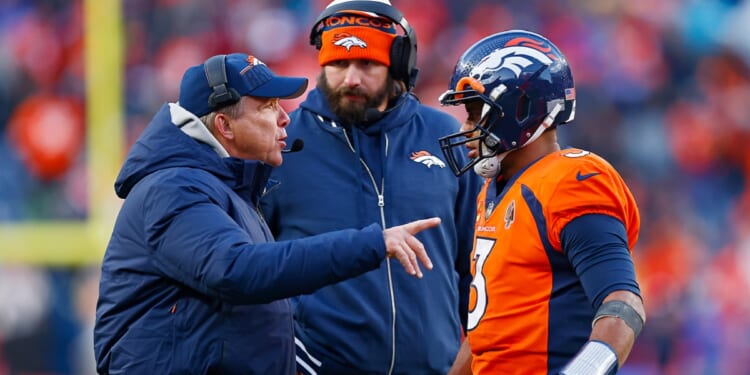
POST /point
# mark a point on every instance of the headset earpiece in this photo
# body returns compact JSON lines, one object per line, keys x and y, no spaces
{"x":216,"y":75}
{"x":402,"y":66}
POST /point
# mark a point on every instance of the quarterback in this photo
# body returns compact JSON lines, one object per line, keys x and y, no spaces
{"x":554,"y":289}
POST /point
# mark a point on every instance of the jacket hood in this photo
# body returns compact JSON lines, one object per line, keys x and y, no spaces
{"x":164,"y":144}
{"x":396,"y":115}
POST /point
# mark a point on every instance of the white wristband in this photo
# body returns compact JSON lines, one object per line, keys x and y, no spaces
{"x":594,"y":358}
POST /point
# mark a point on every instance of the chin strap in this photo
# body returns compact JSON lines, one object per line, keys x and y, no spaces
{"x":490,"y":167}
{"x":545,"y":124}
{"x":487,"y":168}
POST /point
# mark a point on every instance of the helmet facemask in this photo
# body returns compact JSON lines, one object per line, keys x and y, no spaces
{"x":489,"y":145}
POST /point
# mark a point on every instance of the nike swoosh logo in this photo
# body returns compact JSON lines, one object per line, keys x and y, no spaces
{"x":581,"y":177}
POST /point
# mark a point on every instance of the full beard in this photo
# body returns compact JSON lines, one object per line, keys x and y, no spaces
{"x":353,"y":112}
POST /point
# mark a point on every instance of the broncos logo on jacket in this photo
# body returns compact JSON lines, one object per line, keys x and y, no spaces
{"x":427,"y":159}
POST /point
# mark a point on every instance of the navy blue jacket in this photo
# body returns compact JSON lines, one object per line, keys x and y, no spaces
{"x":391,"y":172}
{"x":192,"y":282}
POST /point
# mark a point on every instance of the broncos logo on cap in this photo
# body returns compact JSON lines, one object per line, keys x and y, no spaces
{"x":514,"y":58}
{"x":348,"y":41}
{"x":427,"y":159}
{"x":251,"y":62}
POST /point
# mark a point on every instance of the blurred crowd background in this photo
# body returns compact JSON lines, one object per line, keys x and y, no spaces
{"x":663,"y":93}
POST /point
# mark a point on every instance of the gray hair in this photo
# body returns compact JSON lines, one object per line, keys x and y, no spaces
{"x":232,"y":111}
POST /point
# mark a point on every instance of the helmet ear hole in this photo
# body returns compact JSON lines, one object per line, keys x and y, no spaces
{"x":523,"y":109}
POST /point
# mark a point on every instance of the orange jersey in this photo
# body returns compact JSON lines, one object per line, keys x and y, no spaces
{"x":527,"y":307}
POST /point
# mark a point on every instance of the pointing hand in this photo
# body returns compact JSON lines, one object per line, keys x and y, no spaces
{"x":400,"y":243}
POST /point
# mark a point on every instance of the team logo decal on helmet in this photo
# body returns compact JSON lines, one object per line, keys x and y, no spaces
{"x":514,"y":59}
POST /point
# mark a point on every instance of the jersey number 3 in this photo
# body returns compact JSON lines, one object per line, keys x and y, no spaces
{"x":482,"y":250}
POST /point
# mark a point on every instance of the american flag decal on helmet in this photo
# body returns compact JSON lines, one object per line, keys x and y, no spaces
{"x":570,"y":94}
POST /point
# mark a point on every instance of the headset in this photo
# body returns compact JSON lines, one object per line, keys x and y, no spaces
{"x":403,"y":52}
{"x":216,"y":75}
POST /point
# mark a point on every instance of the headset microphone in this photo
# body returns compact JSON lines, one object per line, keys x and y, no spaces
{"x":374,"y":114}
{"x":297,"y":145}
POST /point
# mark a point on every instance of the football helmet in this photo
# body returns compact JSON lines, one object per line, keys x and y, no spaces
{"x":526,"y":87}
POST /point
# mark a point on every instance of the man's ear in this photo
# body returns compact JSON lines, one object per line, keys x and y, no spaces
{"x":223,"y":126}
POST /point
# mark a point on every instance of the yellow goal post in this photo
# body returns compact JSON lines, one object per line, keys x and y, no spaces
{"x":74,"y":243}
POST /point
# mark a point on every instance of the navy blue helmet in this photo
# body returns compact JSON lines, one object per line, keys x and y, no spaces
{"x":525,"y":84}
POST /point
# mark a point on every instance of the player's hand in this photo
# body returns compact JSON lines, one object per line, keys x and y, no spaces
{"x":401,"y":244}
